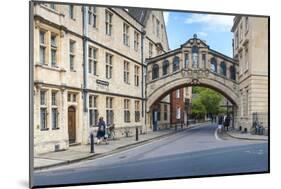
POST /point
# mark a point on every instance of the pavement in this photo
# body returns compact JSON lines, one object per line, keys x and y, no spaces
{"x":245,"y":136}
{"x":82,"y":152}
{"x":192,"y":152}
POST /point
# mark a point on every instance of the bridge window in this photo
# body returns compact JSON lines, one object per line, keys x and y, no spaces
{"x":195,"y":57}
{"x":176,"y":63}
{"x":232,"y":71}
{"x":186,"y":60}
{"x":165,"y":67}
{"x":155,"y":71}
{"x":213,"y":65}
{"x":223,"y":69}
{"x":204,"y":60}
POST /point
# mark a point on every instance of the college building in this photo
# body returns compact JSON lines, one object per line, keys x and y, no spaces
{"x":250,"y":49}
{"x":90,"y":62}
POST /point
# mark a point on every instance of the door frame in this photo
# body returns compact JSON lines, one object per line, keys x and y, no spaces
{"x":75,"y":123}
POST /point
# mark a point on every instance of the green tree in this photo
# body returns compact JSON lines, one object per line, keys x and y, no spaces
{"x":198,"y":110}
{"x":205,"y":101}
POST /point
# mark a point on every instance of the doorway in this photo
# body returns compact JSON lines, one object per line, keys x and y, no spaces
{"x":72,"y":124}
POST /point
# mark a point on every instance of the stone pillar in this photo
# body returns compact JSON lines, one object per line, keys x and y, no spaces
{"x":190,"y":60}
{"x":227,"y":70}
{"x":160,"y":71}
{"x":63,"y":115}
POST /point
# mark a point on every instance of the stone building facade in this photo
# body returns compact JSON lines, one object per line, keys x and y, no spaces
{"x":180,"y":100}
{"x":250,"y":48}
{"x":89,"y":62}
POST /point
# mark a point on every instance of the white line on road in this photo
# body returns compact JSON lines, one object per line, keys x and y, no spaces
{"x":216,"y":134}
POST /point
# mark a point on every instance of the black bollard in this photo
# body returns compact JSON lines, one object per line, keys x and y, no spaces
{"x":92,"y":143}
{"x":137,"y":133}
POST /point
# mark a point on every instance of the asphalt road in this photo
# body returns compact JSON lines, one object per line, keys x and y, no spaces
{"x":193,"y":152}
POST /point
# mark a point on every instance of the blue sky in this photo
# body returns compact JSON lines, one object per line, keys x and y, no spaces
{"x":214,"y":29}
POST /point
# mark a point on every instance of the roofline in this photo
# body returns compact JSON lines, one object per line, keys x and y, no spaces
{"x":225,"y":56}
{"x":236,"y":19}
{"x":153,"y":59}
{"x":123,"y":8}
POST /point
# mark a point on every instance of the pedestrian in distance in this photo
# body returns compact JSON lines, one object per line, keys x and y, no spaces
{"x":226,"y":122}
{"x":220,"y":123}
{"x":101,"y":134}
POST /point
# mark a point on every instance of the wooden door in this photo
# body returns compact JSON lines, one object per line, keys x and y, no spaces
{"x":71,"y":124}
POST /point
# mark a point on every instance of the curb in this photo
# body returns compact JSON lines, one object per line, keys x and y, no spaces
{"x":116,"y":150}
{"x":245,"y":138}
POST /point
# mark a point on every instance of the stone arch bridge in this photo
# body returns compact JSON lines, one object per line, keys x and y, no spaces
{"x":194,"y":63}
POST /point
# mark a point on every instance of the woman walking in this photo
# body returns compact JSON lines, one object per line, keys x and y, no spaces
{"x":101,"y":131}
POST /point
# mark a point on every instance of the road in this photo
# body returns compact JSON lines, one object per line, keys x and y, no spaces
{"x":194,"y":152}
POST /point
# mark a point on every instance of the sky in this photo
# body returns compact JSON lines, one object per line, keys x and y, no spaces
{"x":214,"y":29}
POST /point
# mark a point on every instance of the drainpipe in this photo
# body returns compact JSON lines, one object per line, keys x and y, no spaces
{"x":143,"y":82}
{"x":85,"y":55}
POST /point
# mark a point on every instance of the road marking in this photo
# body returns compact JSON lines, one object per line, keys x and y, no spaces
{"x":216,"y":134}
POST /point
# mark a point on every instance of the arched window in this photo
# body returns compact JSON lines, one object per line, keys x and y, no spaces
{"x":195,"y":63}
{"x":176,"y":63}
{"x":186,"y":60}
{"x":165,"y":67}
{"x":155,"y":71}
{"x":213,"y":65}
{"x":223,"y":69}
{"x":232,"y":71}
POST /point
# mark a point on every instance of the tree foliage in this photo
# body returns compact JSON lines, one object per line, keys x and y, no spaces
{"x":205,"y":101}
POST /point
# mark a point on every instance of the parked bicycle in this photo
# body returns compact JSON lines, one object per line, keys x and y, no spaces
{"x":111,"y":131}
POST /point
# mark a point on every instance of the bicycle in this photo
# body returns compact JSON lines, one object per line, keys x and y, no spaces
{"x":111,"y":132}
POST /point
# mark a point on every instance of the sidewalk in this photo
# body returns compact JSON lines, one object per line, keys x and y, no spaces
{"x":82,"y":152}
{"x":246,"y":136}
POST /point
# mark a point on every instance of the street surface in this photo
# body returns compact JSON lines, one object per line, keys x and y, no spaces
{"x":194,"y":152}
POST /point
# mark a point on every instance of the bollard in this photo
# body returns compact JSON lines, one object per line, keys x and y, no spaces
{"x":176,"y":127}
{"x":137,"y":133}
{"x":92,"y":143}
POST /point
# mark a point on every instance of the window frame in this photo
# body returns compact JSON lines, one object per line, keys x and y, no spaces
{"x":127,"y":118}
{"x":71,"y":11}
{"x":136,"y":41}
{"x":165,"y":67}
{"x":137,"y":75}
{"x":126,"y":34}
{"x":109,"y":111}
{"x":93,"y":110}
{"x":43,"y":110}
{"x":215,"y":64}
{"x":137,"y":110}
{"x":108,"y":65}
{"x":108,"y":22}
{"x":93,"y":60}
{"x":42,"y":46}
{"x":176,"y":63}
{"x":126,"y":72}
{"x":155,"y":71}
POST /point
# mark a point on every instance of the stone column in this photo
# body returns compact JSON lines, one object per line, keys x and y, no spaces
{"x":63,"y":115}
{"x":227,"y":70}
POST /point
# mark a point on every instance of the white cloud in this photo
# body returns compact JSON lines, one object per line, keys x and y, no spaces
{"x":212,"y":22}
{"x":166,"y":17}
{"x":202,"y":34}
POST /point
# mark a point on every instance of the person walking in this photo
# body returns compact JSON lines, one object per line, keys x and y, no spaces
{"x":101,"y":131}
{"x":220,"y":122}
{"x":226,"y":122}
